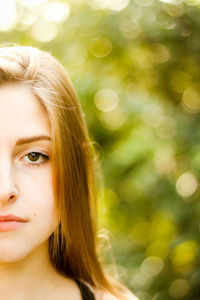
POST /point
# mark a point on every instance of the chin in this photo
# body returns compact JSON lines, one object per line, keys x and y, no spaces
{"x":9,"y":257}
{"x":11,"y":252}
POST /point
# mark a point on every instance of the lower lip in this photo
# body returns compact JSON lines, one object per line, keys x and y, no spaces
{"x":10,"y":225}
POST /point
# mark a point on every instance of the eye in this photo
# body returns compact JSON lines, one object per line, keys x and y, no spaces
{"x":34,"y":158}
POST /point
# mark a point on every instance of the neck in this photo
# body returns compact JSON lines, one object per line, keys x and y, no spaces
{"x":26,"y":278}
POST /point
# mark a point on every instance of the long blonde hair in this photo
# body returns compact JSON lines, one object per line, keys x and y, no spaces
{"x":73,"y":247}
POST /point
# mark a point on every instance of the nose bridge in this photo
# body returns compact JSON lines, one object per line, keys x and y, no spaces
{"x":5,"y":163}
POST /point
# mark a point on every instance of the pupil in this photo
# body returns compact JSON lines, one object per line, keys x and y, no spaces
{"x":34,"y":156}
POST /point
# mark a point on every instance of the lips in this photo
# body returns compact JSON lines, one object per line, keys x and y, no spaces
{"x":8,"y":218}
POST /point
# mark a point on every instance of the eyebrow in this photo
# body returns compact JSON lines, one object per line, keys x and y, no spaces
{"x":31,"y":139}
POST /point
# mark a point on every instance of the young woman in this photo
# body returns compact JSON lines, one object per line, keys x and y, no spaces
{"x":48,"y":242}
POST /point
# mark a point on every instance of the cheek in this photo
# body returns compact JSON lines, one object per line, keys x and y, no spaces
{"x":37,"y":192}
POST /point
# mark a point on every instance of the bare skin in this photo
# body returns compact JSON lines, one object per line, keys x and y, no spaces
{"x":42,"y":283}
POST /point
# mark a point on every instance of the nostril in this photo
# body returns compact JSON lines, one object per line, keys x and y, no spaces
{"x":6,"y":197}
{"x":12,"y":198}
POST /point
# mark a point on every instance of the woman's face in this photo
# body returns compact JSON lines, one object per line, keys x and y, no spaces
{"x":25,"y":177}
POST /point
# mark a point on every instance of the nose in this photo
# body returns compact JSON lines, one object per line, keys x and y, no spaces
{"x":8,"y":191}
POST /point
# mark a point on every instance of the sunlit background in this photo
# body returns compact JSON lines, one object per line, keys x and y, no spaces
{"x":136,"y":68}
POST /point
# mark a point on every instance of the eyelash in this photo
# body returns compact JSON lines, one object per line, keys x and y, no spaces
{"x":45,"y":157}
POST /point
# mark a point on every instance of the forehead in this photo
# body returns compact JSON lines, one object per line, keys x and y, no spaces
{"x":21,"y":113}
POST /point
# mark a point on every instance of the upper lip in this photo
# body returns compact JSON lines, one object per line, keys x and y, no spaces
{"x":11,"y":218}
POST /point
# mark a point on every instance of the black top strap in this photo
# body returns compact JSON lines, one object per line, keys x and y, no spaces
{"x":86,"y":293}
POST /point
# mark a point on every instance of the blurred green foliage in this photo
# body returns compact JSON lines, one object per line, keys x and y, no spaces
{"x":136,"y":68}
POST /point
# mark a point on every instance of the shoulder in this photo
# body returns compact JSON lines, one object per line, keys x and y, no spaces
{"x":102,"y":295}
{"x":108,"y":296}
